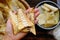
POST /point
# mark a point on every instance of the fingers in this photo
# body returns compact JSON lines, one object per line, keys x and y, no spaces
{"x":20,"y":35}
{"x":36,"y":10}
{"x":9,"y":29}
{"x":36,"y":21}
{"x":27,"y":11}
{"x":36,"y":14}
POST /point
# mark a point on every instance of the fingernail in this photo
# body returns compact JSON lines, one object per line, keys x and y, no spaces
{"x":36,"y":10}
{"x":36,"y":21}
{"x":36,"y":14}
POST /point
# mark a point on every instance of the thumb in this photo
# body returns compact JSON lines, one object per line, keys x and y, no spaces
{"x":9,"y":29}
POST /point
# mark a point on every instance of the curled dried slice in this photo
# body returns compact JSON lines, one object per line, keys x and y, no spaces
{"x":20,"y":5}
{"x":12,"y":5}
{"x":14,"y":21}
{"x":2,"y":5}
{"x":24,"y":19}
{"x":51,"y":7}
{"x":31,"y":17}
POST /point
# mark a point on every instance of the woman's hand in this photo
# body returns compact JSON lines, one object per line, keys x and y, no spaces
{"x":36,"y":13}
{"x":9,"y":31}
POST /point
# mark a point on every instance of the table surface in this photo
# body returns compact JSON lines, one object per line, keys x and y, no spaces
{"x":41,"y":33}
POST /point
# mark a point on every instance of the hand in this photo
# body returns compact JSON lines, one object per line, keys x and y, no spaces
{"x":36,"y":12}
{"x":9,"y":31}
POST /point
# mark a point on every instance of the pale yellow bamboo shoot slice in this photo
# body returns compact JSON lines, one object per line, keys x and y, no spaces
{"x":14,"y":21}
{"x":32,"y":29}
{"x":12,"y":5}
{"x":24,"y":18}
{"x":20,"y":5}
{"x":45,"y":8}
{"x":51,"y":7}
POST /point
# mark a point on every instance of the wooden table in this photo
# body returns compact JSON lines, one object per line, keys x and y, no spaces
{"x":41,"y":33}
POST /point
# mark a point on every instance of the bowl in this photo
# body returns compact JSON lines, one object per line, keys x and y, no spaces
{"x":51,"y":3}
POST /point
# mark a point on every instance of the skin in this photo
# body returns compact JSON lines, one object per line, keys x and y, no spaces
{"x":9,"y":30}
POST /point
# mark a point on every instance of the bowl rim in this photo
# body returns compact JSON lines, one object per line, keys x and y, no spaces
{"x":49,"y":28}
{"x":46,"y":1}
{"x":42,"y":26}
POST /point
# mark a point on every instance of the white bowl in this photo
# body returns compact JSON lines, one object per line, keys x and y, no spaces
{"x":51,"y":3}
